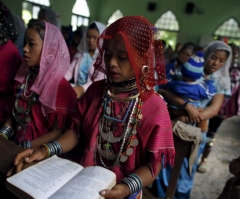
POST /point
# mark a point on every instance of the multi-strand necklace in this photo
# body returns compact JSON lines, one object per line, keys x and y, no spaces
{"x":128,"y":117}
{"x":21,"y":114}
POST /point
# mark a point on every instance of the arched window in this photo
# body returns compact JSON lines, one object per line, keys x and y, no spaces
{"x":115,"y":16}
{"x":80,"y":14}
{"x":30,"y":9}
{"x":168,"y":26}
{"x":230,"y":29}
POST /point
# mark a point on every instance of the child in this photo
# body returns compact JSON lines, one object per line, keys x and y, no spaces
{"x":114,"y":120}
{"x":189,"y":89}
{"x":231,"y":189}
{"x":44,"y":100}
{"x":82,"y":62}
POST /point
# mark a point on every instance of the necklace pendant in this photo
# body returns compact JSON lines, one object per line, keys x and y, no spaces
{"x":107,"y":154}
{"x":133,"y":120}
{"x":28,"y":119}
{"x":134,"y":142}
{"x":110,"y":138}
{"x":124,"y":158}
{"x":140,"y":116}
{"x":134,"y":131}
{"x":129,"y":151}
{"x":20,"y":109}
{"x":108,"y":110}
{"x":135,"y":111}
{"x":19,"y":127}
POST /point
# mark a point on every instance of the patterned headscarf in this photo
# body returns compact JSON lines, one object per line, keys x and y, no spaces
{"x":55,"y":61}
{"x":7,"y":27}
{"x":143,"y":45}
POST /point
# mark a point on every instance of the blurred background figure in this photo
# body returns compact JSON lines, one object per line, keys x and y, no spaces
{"x":231,"y":106}
{"x":177,"y":50}
{"x":50,"y":16}
{"x":76,"y":39}
{"x":20,"y":29}
{"x":67,"y":34}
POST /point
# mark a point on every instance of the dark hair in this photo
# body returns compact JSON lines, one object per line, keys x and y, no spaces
{"x":93,"y":26}
{"x":40,"y":28}
{"x":227,"y":52}
{"x":188,"y":45}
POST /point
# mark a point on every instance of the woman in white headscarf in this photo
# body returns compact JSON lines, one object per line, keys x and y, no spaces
{"x":81,"y":69}
{"x":218,"y":56}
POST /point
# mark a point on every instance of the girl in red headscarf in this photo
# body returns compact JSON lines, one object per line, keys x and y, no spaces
{"x":44,"y":99}
{"x":121,"y":124}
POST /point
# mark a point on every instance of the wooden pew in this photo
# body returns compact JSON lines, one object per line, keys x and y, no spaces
{"x":8,"y":151}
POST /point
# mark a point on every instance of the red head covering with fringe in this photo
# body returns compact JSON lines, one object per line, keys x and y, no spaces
{"x":143,"y":46}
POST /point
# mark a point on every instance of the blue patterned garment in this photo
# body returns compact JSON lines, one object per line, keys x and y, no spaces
{"x":85,"y":65}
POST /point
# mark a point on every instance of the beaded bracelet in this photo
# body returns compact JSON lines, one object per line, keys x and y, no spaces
{"x":134,"y":183}
{"x":53,"y":148}
{"x":6,"y":131}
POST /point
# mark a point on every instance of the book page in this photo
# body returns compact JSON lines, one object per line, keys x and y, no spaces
{"x":44,"y":178}
{"x":87,"y":184}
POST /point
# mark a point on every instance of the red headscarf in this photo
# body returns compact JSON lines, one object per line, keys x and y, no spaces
{"x":143,"y":46}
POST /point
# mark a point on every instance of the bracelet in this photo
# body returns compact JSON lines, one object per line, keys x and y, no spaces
{"x":3,"y":135}
{"x":53,"y":148}
{"x":26,"y":144}
{"x":47,"y":148}
{"x":184,"y":105}
{"x":6,"y":131}
{"x":134,"y":183}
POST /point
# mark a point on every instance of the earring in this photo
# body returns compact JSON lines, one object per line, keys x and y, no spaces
{"x":145,"y":69}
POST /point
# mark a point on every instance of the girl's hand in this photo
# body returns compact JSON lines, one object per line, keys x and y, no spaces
{"x":193,"y":114}
{"x":119,"y":191}
{"x":27,"y":158}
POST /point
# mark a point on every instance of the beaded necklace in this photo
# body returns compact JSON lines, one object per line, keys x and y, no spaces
{"x":21,"y":114}
{"x":106,"y":136}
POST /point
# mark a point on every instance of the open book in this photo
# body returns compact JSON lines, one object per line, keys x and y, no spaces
{"x":56,"y":178}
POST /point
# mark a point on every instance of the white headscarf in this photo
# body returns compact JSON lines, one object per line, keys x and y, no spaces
{"x":222,"y":74}
{"x":82,"y":47}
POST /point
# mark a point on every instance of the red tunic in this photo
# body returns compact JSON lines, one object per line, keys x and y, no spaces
{"x":10,"y":60}
{"x":154,"y":132}
{"x":40,"y":125}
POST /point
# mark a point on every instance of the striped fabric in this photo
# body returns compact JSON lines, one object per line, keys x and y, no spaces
{"x":193,"y":68}
{"x":154,"y":132}
{"x":39,"y":124}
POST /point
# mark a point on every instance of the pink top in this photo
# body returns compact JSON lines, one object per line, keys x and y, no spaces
{"x":39,"y":124}
{"x":154,"y":132}
{"x":10,"y":61}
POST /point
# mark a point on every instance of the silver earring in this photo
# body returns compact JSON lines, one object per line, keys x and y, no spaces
{"x":145,"y":69}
